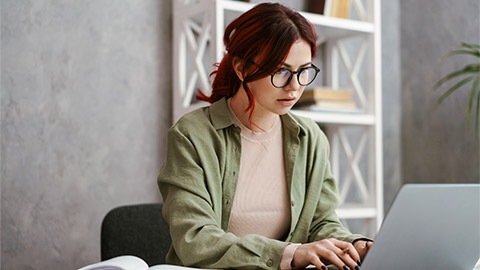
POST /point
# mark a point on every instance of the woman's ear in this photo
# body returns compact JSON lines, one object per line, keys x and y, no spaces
{"x":238,"y":65}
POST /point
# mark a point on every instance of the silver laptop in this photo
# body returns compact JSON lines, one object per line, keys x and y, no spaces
{"x":429,"y":226}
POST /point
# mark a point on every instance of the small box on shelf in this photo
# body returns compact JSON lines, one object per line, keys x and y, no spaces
{"x":316,"y":6}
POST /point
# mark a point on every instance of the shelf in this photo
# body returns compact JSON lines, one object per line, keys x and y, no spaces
{"x":346,"y":212}
{"x":331,"y":28}
{"x":327,"y":28}
{"x":337,"y":118}
{"x":236,"y":6}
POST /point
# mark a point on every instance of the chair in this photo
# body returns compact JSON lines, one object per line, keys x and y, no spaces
{"x":138,"y":230}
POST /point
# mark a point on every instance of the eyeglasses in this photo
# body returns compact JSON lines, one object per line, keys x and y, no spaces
{"x":305,"y":76}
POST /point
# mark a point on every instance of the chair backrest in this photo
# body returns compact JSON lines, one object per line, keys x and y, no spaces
{"x":138,"y":230}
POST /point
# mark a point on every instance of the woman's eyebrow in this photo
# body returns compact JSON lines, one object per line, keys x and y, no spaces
{"x":289,"y":66}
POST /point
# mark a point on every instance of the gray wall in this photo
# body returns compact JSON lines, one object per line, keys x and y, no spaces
{"x":436,"y":146}
{"x":391,"y":100}
{"x":85,"y":105}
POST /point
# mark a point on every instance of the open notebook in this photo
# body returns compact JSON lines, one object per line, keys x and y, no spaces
{"x":129,"y":262}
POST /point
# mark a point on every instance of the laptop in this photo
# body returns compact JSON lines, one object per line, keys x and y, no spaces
{"x":429,"y":226}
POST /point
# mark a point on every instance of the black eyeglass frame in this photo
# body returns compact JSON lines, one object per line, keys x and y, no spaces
{"x":317,"y":70}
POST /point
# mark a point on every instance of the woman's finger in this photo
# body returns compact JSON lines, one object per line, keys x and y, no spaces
{"x":318,"y":263}
{"x":368,"y":244}
{"x":362,"y":248}
{"x":338,"y":261}
{"x":350,"y":253}
{"x":327,"y":251}
{"x":349,"y":259}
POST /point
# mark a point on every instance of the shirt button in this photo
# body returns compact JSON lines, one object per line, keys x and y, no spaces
{"x":293,"y":203}
{"x":269,"y":263}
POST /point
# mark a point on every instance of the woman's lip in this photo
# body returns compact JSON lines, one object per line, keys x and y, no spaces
{"x":286,"y":101}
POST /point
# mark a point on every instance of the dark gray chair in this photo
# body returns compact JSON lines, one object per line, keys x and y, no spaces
{"x":138,"y":230}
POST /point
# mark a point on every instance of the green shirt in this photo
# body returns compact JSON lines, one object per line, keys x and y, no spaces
{"x":198,"y":181}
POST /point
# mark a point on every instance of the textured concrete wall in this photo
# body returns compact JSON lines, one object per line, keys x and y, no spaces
{"x":391,"y":101}
{"x":85,"y":105}
{"x":436,"y":146}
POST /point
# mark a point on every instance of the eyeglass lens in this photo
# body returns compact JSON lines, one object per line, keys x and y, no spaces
{"x":283,"y":76}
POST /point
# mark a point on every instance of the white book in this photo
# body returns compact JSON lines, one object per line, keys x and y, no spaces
{"x":129,"y":262}
{"x":328,"y":8}
{"x":119,"y":263}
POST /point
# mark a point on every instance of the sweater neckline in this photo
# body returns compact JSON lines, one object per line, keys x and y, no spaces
{"x":260,"y":136}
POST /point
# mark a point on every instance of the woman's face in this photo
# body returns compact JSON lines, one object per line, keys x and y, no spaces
{"x":268,"y":98}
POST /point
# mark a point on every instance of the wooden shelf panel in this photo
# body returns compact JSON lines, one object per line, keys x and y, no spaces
{"x":236,"y":6}
{"x":327,"y":28}
{"x":345,"y":212}
{"x":331,"y":28}
{"x":337,"y":118}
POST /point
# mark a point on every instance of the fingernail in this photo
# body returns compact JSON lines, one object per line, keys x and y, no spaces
{"x":359,"y":262}
{"x":324,"y":268}
{"x":357,"y":268}
{"x":346,"y":267}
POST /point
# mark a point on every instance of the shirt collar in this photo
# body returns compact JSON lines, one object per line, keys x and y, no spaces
{"x":220,"y":116}
{"x":289,"y":122}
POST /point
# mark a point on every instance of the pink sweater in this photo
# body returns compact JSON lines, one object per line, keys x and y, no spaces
{"x":262,"y":205}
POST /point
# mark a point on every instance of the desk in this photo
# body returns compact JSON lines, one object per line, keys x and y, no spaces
{"x":330,"y":267}
{"x":477,"y":266}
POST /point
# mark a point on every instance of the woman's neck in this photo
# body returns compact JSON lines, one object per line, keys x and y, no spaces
{"x":261,"y":119}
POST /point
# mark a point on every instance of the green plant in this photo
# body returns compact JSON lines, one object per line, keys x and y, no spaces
{"x":471,"y":73}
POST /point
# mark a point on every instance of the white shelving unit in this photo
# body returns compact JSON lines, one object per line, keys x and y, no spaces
{"x":356,"y":138}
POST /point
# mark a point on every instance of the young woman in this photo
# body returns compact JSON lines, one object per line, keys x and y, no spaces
{"x":245,"y":183}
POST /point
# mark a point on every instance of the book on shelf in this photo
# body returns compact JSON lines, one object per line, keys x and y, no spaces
{"x":327,"y":99}
{"x":329,"y":108}
{"x":321,"y":93}
{"x":130,"y":262}
{"x":337,"y":8}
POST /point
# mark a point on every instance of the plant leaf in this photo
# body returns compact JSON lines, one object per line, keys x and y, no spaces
{"x":470,"y":46}
{"x":474,"y":68}
{"x":451,"y":90}
{"x":470,"y":101}
{"x":474,"y":53}
{"x":471,"y":49}
{"x":478,"y":116}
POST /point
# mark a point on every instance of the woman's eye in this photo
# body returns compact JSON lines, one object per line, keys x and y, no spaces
{"x":304,"y":71}
{"x":283,"y":73}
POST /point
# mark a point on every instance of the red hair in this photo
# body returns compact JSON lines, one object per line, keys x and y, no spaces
{"x":264,"y":34}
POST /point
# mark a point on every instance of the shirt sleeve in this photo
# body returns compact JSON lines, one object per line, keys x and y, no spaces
{"x":326,"y":223}
{"x":195,"y":228}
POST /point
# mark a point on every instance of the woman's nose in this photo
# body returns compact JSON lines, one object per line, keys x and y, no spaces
{"x":293,"y":85}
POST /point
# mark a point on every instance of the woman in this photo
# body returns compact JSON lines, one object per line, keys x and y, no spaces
{"x":246,"y":184}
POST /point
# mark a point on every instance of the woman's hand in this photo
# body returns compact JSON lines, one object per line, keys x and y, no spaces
{"x":362,"y":247}
{"x":327,"y":251}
